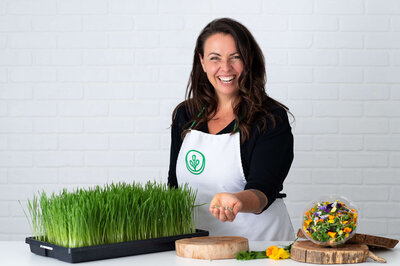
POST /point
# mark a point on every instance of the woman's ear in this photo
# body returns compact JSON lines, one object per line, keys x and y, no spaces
{"x":202,"y":62}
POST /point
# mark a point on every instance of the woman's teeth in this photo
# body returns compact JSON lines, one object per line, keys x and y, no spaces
{"x":226,"y":79}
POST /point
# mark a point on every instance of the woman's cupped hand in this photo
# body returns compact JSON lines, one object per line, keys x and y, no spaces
{"x":225,"y":206}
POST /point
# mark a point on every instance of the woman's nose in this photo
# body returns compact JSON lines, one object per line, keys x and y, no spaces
{"x":226,"y":65}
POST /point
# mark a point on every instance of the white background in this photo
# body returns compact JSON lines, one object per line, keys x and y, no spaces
{"x":87,"y":88}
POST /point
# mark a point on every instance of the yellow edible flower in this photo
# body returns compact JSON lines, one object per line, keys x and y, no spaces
{"x":272,"y":250}
{"x":275,"y":253}
{"x":332,"y":234}
{"x":313,"y":228}
{"x":283,"y":254}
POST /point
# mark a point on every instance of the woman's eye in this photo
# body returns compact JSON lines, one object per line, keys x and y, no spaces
{"x":236,"y":57}
{"x":214,"y":58}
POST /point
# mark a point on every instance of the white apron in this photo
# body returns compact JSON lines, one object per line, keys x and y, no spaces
{"x":212,"y":164}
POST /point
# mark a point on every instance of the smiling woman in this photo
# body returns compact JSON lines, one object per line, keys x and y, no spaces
{"x":230,"y":140}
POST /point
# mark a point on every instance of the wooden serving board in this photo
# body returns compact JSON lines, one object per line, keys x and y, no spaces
{"x":211,"y":247}
{"x":370,"y":240}
{"x":308,"y":252}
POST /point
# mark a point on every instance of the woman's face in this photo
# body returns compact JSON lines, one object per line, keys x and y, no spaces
{"x":222,"y":64}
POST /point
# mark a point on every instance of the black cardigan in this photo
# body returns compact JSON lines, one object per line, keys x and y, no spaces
{"x":266,"y":157}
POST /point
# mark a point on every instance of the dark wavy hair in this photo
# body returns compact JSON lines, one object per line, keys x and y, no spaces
{"x":253,"y":105}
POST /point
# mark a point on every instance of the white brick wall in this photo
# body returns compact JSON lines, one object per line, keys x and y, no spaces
{"x":87,"y":88}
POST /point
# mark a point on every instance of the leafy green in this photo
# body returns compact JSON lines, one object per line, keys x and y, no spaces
{"x":251,"y":255}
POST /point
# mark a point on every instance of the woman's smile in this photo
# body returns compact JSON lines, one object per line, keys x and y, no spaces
{"x":226,"y":79}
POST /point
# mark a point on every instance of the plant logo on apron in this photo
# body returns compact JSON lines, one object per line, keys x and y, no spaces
{"x":195,"y":162}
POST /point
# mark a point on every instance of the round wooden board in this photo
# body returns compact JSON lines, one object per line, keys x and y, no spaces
{"x":211,"y":247}
{"x":306,"y":251}
{"x":369,"y":240}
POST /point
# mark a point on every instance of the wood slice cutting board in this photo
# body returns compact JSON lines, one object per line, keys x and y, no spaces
{"x":306,"y":251}
{"x":370,"y":240}
{"x":211,"y":247}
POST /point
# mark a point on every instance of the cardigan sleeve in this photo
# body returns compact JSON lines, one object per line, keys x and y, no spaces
{"x":179,"y":121}
{"x":270,"y":157}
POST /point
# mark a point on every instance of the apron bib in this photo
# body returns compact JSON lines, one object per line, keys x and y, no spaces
{"x":212,"y":164}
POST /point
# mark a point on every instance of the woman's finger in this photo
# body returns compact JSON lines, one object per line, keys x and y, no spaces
{"x":215,"y":212}
{"x":229,"y":215}
{"x":222,"y":216}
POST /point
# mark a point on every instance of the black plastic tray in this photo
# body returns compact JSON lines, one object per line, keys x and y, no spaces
{"x":107,"y":251}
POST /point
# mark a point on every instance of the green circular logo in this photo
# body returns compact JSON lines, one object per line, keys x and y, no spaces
{"x":195,"y":162}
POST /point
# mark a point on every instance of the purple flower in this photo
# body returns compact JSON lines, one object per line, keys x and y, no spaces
{"x":322,"y":208}
{"x":323,"y":217}
{"x":326,"y":208}
{"x":310,"y":230}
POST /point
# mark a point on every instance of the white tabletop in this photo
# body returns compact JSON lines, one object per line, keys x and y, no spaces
{"x":18,"y":253}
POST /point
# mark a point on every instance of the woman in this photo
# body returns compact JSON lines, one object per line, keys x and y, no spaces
{"x":230,"y":141}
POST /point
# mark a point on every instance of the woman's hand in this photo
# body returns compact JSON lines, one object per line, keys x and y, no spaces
{"x":225,"y":206}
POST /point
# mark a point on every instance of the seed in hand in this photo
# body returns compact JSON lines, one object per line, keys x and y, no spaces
{"x":225,"y":207}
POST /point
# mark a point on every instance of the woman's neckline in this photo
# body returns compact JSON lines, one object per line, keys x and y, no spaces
{"x":227,"y":129}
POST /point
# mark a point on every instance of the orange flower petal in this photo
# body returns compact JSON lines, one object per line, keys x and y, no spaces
{"x":347,"y":230}
{"x":332,"y":234}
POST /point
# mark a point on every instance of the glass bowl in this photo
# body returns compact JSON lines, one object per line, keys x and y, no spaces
{"x":330,"y":220}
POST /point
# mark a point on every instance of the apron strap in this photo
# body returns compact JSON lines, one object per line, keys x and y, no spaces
{"x":236,"y":127}
{"x":194,"y":122}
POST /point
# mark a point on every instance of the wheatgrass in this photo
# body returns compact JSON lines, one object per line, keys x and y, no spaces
{"x":112,"y":213}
